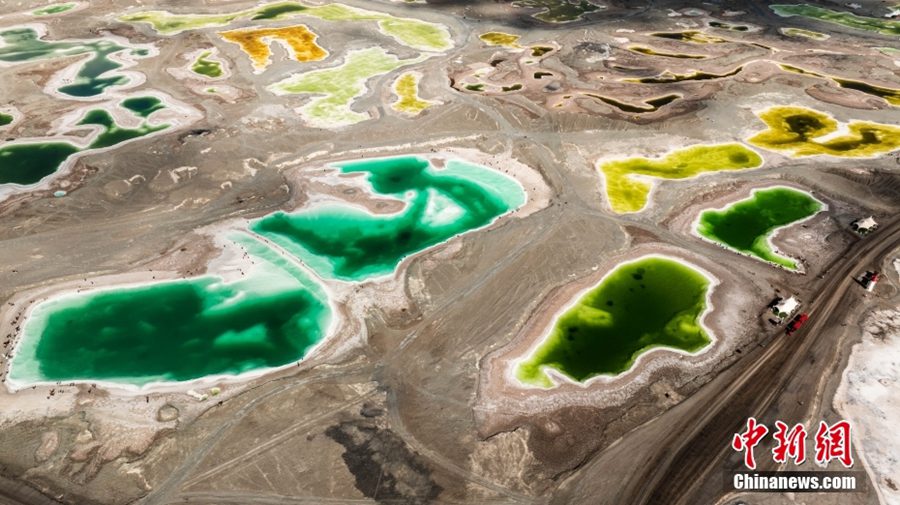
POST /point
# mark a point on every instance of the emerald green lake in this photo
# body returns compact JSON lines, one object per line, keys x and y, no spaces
{"x":177,"y":330}
{"x":29,"y":162}
{"x":644,"y":304}
{"x":25,"y":44}
{"x":5,"y":119}
{"x":143,"y":106}
{"x":345,"y":242}
{"x":746,"y":226}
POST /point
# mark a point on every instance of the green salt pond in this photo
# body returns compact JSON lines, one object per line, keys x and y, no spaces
{"x":747,"y":226}
{"x":28,"y":162}
{"x":670,"y":77}
{"x":344,"y":242}
{"x":177,"y":330}
{"x":883,"y":26}
{"x":94,"y":75}
{"x":729,"y":26}
{"x":207,"y":67}
{"x":112,"y":133}
{"x":51,"y":10}
{"x":143,"y":106}
{"x":641,"y":305}
{"x":628,"y":189}
{"x":6,"y":119}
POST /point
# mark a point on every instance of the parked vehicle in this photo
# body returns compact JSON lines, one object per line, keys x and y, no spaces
{"x":796,"y":323}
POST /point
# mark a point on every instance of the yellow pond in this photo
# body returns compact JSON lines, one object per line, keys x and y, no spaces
{"x":799,"y":131}
{"x":629,"y":181}
{"x":256,"y":43}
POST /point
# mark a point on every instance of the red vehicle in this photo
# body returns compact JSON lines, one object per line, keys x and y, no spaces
{"x":796,"y":323}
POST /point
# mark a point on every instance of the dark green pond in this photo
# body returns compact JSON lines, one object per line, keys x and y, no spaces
{"x":746,"y":225}
{"x":29,"y":163}
{"x":143,"y":106}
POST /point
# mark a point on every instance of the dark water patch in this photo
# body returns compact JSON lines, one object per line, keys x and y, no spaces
{"x":143,"y":106}
{"x":890,"y":95}
{"x":729,"y":26}
{"x":653,"y":52}
{"x":29,"y":163}
{"x":669,"y":77}
{"x":650,"y":105}
{"x":746,"y":225}
{"x":691,"y":36}
{"x":276,"y":10}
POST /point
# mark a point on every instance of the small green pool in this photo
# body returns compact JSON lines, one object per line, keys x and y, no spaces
{"x":204,"y":66}
{"x":51,"y":10}
{"x":651,"y":302}
{"x":746,"y":226}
